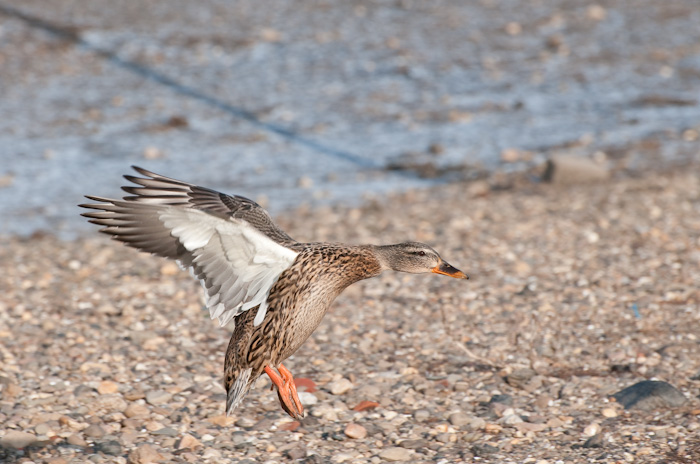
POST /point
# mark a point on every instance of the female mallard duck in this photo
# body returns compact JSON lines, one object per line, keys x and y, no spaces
{"x":276,"y":289}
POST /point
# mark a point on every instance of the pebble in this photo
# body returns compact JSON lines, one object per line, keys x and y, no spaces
{"x":111,"y":447}
{"x":512,"y":419}
{"x":493,"y":429}
{"x":16,"y":439}
{"x":340,"y":386}
{"x":77,"y":440}
{"x":158,"y":397}
{"x":144,"y":454}
{"x":444,"y":437}
{"x":152,"y":426}
{"x":298,"y":452}
{"x":224,"y":421}
{"x":502,"y":399}
{"x":11,"y":390}
{"x":459,"y":419}
{"x":325,"y":411}
{"x":106,"y":387}
{"x":596,"y":441}
{"x":307,"y":399}
{"x":354,"y":430}
{"x":167,"y":431}
{"x":395,"y":454}
{"x":94,"y":431}
{"x":188,"y":442}
{"x":476,"y":423}
{"x":244,"y":422}
{"x":110,"y":403}
{"x":591,"y":429}
{"x":213,"y":454}
{"x":649,"y":395}
{"x":136,"y":410}
{"x":520,"y":377}
{"x":526,"y":427}
{"x":609,"y":412}
{"x":414,"y":443}
{"x":421,"y":415}
{"x":483,"y":449}
{"x":42,"y":429}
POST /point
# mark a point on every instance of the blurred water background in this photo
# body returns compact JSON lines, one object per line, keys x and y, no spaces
{"x":316,"y":102}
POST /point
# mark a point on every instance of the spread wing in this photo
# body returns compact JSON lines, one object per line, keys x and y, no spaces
{"x":229,"y":242}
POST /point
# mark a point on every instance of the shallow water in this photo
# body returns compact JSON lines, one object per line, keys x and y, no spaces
{"x":310,"y":103}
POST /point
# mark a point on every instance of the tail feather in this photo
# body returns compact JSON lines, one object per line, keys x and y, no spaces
{"x":238,"y":390}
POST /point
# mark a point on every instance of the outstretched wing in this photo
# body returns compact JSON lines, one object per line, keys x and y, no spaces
{"x":229,"y":242}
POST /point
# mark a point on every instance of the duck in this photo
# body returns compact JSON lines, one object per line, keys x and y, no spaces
{"x":273,"y":289}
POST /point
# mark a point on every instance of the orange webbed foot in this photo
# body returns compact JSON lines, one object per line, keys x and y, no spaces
{"x":286,"y":391}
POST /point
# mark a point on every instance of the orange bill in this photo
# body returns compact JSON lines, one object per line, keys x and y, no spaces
{"x":448,"y":270}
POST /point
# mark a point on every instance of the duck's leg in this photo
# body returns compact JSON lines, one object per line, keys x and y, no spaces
{"x":286,"y":391}
{"x":289,"y":378}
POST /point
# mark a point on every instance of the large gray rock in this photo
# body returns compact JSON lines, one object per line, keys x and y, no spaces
{"x":648,"y":395}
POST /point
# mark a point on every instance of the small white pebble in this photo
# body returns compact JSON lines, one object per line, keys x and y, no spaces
{"x":591,"y":430}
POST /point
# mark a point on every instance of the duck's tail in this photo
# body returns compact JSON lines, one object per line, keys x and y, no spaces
{"x":238,"y":390}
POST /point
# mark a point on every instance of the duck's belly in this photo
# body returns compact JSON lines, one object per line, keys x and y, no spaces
{"x":299,"y":327}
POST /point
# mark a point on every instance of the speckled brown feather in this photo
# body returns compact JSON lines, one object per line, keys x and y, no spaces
{"x":296,"y":306}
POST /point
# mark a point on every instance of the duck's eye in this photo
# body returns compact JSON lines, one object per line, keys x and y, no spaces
{"x":421,"y":253}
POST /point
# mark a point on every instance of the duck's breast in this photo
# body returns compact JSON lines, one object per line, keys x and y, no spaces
{"x":305,"y":291}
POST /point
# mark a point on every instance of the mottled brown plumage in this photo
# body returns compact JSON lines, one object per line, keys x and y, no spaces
{"x":276,"y":289}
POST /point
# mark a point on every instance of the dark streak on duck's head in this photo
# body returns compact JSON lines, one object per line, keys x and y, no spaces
{"x":415,"y":258}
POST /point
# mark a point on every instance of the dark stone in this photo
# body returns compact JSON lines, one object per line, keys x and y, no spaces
{"x":372,"y":429}
{"x":81,"y":390}
{"x":296,"y":453}
{"x":648,"y":395}
{"x":111,"y":447}
{"x":621,"y":368}
{"x":596,"y":441}
{"x":483,"y":449}
{"x":503,"y":399}
{"x":167,"y":431}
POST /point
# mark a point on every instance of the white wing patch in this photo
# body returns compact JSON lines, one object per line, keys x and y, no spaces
{"x":237,"y":264}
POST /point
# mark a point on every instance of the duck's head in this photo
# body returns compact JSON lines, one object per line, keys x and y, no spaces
{"x":415,"y":258}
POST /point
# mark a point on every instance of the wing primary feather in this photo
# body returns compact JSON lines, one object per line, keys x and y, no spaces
{"x":178,"y":220}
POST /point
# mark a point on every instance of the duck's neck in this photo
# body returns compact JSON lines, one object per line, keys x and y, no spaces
{"x":364,"y":263}
{"x":385,"y":255}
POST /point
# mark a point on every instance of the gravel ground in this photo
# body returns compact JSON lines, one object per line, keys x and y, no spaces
{"x":107,"y":355}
